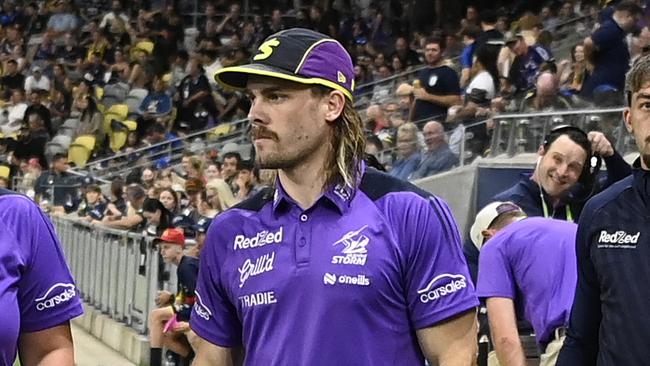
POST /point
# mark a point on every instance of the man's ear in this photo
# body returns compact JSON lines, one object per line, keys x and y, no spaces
{"x":335,"y":104}
{"x":541,"y":151}
{"x":627,"y":118}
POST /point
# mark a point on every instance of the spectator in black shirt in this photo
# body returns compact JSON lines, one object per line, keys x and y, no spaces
{"x":490,"y":33}
{"x":12,"y":79}
{"x":31,"y":140}
{"x":408,"y":57}
{"x":69,"y":53}
{"x":195,"y":105}
{"x":36,"y":107}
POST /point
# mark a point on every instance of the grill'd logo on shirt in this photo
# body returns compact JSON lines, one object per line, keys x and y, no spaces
{"x":64,"y":292}
{"x":260,"y":239}
{"x":249,"y":269}
{"x":618,"y":239}
{"x":355,"y":251}
{"x":452,"y":284}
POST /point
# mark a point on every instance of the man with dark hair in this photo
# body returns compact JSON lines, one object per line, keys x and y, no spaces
{"x":489,"y":31}
{"x":404,"y":52}
{"x":134,"y":219}
{"x":12,"y":79}
{"x":562,"y":180}
{"x":330,"y":235}
{"x":469,"y":35}
{"x":36,"y":107}
{"x":56,"y":184}
{"x":526,"y":264}
{"x":610,"y":320}
{"x":229,"y":170}
{"x":608,"y":51}
{"x":437,"y":87}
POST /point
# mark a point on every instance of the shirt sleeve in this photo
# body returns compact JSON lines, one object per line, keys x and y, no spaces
{"x":581,"y":343}
{"x":47,"y":295}
{"x":437,"y":280}
{"x":214,"y":318}
{"x":495,"y":277}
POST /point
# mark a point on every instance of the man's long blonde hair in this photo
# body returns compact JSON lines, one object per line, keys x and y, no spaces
{"x":347,"y":145}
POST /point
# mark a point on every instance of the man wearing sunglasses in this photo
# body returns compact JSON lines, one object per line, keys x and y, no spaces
{"x":528,"y":265}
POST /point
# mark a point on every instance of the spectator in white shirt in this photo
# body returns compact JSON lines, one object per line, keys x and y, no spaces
{"x":13,"y":113}
{"x":37,"y":80}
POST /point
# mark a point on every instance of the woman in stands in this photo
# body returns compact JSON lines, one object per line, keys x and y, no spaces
{"x":157,"y":215}
{"x":169,"y":200}
{"x":573,"y":73}
{"x":91,"y":121}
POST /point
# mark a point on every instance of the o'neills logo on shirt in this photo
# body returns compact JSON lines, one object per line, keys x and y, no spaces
{"x":442,"y":286}
{"x":260,"y":239}
{"x":249,"y":268}
{"x":55,"y":295}
{"x":618,"y":239}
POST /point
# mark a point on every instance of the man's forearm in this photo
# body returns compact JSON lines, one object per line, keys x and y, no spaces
{"x":509,"y":351}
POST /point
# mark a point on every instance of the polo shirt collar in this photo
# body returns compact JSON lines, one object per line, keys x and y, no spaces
{"x":339,"y":195}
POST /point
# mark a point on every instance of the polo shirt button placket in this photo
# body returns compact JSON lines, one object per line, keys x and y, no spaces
{"x":304,"y":217}
{"x":302,"y":249}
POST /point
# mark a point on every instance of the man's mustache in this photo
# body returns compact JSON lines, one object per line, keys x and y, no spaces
{"x":258,"y":132}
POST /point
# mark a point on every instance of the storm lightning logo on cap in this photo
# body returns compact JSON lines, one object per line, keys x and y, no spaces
{"x":266,"y":49}
{"x":341,"y":78}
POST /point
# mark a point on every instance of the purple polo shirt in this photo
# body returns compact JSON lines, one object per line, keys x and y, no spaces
{"x":345,"y":282}
{"x":36,"y":289}
{"x":533,"y":262}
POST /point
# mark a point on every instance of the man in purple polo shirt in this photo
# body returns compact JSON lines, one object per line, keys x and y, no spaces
{"x":337,"y":265}
{"x":37,"y":293}
{"x":527,"y":266}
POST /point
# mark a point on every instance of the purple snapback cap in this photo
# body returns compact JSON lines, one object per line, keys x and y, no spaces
{"x":299,"y":55}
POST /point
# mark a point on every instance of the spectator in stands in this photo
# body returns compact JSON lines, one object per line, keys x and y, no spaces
{"x":608,"y":51}
{"x":201,"y":229}
{"x":36,"y":107}
{"x":59,"y":106}
{"x":213,"y":170}
{"x":93,"y":206}
{"x":438,"y":157}
{"x":574,"y":72}
{"x":37,"y":81}
{"x":220,"y":195}
{"x":383,"y":89}
{"x":45,"y":50}
{"x":403,"y":51}
{"x":91,"y":120}
{"x":195,"y":105}
{"x":94,"y":69}
{"x":116,"y":206}
{"x":526,"y":65}
{"x":469,"y":35}
{"x":231,"y":161}
{"x":404,"y":95}
{"x":562,"y":180}
{"x":134,"y":219}
{"x":195,"y":169}
{"x":247,"y":181}
{"x":193,"y":189}
{"x":529,"y":262}
{"x":437,"y":87}
{"x":276,"y":23}
{"x":11,"y":79}
{"x":169,"y":199}
{"x":408,"y":152}
{"x":13,"y":113}
{"x":547,"y":17}
{"x":156,"y":105}
{"x":545,"y":97}
{"x":172,"y":309}
{"x":148,"y":178}
{"x":32,"y":139}
{"x":157,"y":215}
{"x":379,"y":124}
{"x":489,"y":31}
{"x":63,"y":19}
{"x":56,"y":185}
{"x":116,"y":19}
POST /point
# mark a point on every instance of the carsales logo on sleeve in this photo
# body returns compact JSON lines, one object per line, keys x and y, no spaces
{"x":56,"y":295}
{"x":441,"y":286}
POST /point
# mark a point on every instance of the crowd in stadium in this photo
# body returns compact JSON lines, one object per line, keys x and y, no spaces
{"x":84,"y":82}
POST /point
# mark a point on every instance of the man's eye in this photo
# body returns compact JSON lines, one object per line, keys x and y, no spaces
{"x":645,"y":105}
{"x":275,"y":97}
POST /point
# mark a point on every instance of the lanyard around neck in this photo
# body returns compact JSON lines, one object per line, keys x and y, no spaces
{"x":569,"y":215}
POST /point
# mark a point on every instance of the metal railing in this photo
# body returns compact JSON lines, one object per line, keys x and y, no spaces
{"x":116,"y":272}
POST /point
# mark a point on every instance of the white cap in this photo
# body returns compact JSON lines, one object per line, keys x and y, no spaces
{"x":486,"y":216}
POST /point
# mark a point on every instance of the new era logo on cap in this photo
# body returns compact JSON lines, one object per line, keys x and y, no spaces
{"x":299,"y":55}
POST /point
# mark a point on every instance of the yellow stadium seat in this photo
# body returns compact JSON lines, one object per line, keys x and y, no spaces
{"x":220,"y":130}
{"x":117,"y":137}
{"x":99,"y":93}
{"x":5,"y":171}
{"x":101,"y":108}
{"x":115,"y":112}
{"x":80,"y":150}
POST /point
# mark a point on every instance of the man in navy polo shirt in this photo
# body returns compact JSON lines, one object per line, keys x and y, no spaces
{"x":608,"y":50}
{"x":337,"y":265}
{"x":610,"y":318}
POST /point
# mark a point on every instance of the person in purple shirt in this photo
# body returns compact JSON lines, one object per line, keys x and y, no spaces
{"x":527,"y":266}
{"x":38,"y":296}
{"x":338,"y":264}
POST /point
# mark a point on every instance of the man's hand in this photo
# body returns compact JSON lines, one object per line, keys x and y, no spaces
{"x":181,"y":327}
{"x":420,"y":93}
{"x":600,"y":145}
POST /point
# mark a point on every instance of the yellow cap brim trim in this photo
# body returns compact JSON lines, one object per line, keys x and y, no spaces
{"x":279,"y":75}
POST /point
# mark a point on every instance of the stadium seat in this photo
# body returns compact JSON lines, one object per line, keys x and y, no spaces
{"x":119,"y":133}
{"x":115,"y":94}
{"x":115,"y":112}
{"x":80,"y":150}
{"x":134,"y":100}
{"x":219,"y":131}
{"x":5,"y":171}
